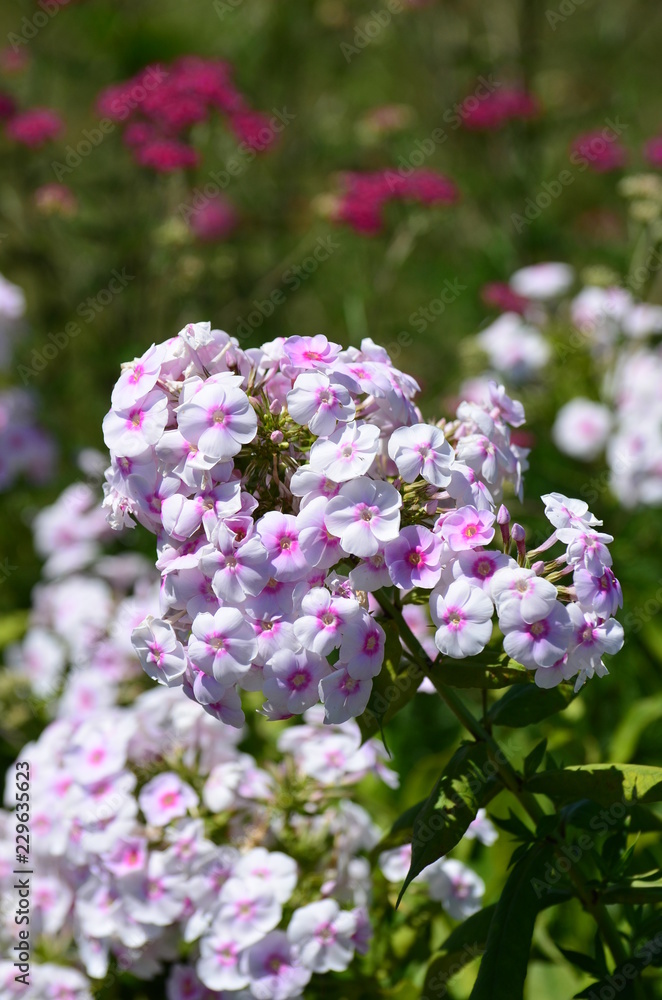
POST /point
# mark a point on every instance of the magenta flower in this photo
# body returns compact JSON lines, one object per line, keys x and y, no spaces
{"x":311,"y":352}
{"x":365,"y":513}
{"x":320,"y":402}
{"x":223,"y":645}
{"x":323,"y":618}
{"x":591,"y":638}
{"x":291,"y":680}
{"x":347,"y":453}
{"x":280,"y":536}
{"x":538,"y":644}
{"x":218,"y":419}
{"x":467,"y":528}
{"x":587,"y":549}
{"x":600,"y":594}
{"x":343,"y":696}
{"x":275,"y":973}
{"x":35,"y":127}
{"x":421,"y":450}
{"x":479,"y":566}
{"x":138,"y":378}
{"x":132,"y":430}
{"x":362,"y":649}
{"x":534,"y":596}
{"x":161,"y":655}
{"x":165,"y":798}
{"x":236,"y":570}
{"x":599,"y":151}
{"x":463,"y":616}
{"x":322,"y":549}
{"x":414,"y":558}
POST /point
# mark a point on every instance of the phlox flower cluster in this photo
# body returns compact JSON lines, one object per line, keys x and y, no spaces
{"x":365,"y":195}
{"x":160,"y":106}
{"x":621,"y":334}
{"x":285,"y":485}
{"x":34,"y":127}
{"x":162,"y":848}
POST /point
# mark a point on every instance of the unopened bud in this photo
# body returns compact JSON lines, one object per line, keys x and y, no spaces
{"x":538,"y":567}
{"x":275,"y":407}
{"x":276,"y":436}
{"x":519,"y":537}
{"x":503,"y":520}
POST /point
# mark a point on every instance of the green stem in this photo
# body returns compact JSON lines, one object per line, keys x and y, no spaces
{"x":511,"y":778}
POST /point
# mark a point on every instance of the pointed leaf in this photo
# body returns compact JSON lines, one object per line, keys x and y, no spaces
{"x":469,"y":674}
{"x":503,"y":969}
{"x":533,"y":760}
{"x":467,"y":784}
{"x":584,"y":962}
{"x":523,"y":706}
{"x":606,"y":784}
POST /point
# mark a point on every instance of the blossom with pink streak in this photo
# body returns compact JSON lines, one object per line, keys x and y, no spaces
{"x":138,"y":378}
{"x":320,"y":402}
{"x":480,"y":566}
{"x":534,"y":596}
{"x":535,"y":644}
{"x":601,"y":594}
{"x":348,"y":452}
{"x":236,"y":571}
{"x":165,"y":798}
{"x":218,"y":419}
{"x":223,"y":645}
{"x":274,"y":971}
{"x":279,"y":534}
{"x":291,"y":680}
{"x":321,"y":936}
{"x":322,"y":621}
{"x":311,"y":353}
{"x":467,"y":528}
{"x":365,"y":513}
{"x":130,"y":431}
{"x":322,"y":549}
{"x":161,"y":655}
{"x":463,"y":616}
{"x":422,"y":450}
{"x":362,"y":648}
{"x":343,"y":696}
{"x":414,"y":558}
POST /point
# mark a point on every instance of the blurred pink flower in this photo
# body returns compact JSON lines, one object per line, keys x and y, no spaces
{"x":214,"y":220}
{"x":653,"y":151}
{"x":35,"y":127}
{"x":497,"y":108}
{"x":602,"y":152}
{"x":166,"y":155}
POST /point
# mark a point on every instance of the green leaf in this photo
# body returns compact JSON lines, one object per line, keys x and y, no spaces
{"x":503,"y":969}
{"x":513,"y":824}
{"x":533,"y":760}
{"x":467,"y":784}
{"x":523,"y":706}
{"x":607,"y":784}
{"x":474,"y":928}
{"x":400,"y":833}
{"x":470,"y":674}
{"x":584,"y":962}
{"x":12,"y":627}
{"x":443,"y":967}
{"x":638,"y":892}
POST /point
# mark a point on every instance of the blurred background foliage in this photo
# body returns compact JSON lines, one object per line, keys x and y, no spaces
{"x":597,"y":61}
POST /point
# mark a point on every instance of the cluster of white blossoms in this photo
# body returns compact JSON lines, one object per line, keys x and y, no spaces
{"x":159,"y":847}
{"x":288,"y":485}
{"x":622,"y":336}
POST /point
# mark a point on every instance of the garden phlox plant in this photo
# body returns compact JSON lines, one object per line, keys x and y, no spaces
{"x":622,"y":419}
{"x":291,"y":487}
